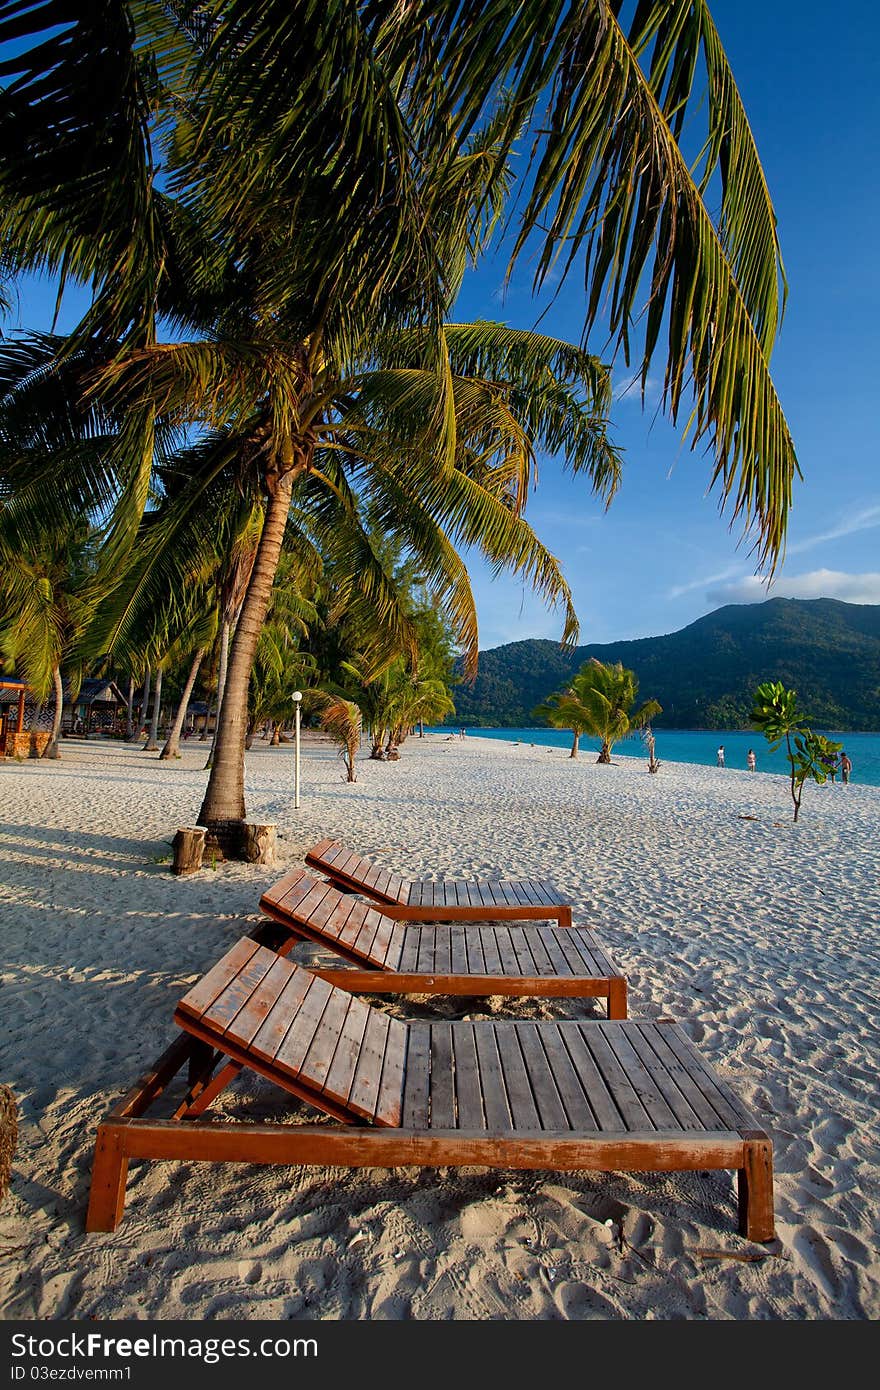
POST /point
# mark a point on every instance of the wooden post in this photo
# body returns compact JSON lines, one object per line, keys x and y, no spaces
{"x":617,"y":998}
{"x":20,"y":725}
{"x":8,"y":1135}
{"x":109,"y":1172}
{"x":259,"y":843}
{"x":189,"y":846}
{"x":755,"y":1189}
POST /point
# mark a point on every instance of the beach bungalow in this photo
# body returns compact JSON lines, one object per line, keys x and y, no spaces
{"x":96,"y":709}
{"x":14,"y":723}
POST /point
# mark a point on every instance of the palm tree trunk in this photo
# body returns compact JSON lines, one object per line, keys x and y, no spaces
{"x":574,"y":745}
{"x":152,"y":743}
{"x":172,"y":743}
{"x":224,"y":797}
{"x":142,"y":713}
{"x":605,"y":752}
{"x":129,"y":708}
{"x":225,"y":631}
{"x":52,"y":750}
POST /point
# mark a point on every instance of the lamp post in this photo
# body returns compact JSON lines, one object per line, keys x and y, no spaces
{"x":297,"y":700}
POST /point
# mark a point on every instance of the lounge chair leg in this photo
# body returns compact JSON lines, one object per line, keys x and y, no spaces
{"x":109,"y":1172}
{"x":200,"y":1096}
{"x":201,"y":1060}
{"x":617,"y":999}
{"x":565,"y":916}
{"x":755,"y":1191}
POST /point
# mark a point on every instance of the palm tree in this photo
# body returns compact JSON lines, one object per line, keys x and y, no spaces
{"x":295,"y":256}
{"x":49,"y":592}
{"x":414,"y":700}
{"x":600,"y":702}
{"x":341,"y":719}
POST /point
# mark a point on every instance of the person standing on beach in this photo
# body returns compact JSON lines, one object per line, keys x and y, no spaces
{"x":721,"y":756}
{"x":751,"y":760}
{"x":845,"y":767}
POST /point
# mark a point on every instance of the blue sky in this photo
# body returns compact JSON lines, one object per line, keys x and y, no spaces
{"x":662,"y":555}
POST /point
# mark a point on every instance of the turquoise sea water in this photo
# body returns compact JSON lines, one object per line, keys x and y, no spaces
{"x":700,"y":746}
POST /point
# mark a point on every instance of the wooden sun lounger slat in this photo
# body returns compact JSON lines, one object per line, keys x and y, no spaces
{"x":395,"y":887}
{"x":495,"y":1100}
{"x":651,"y":1098}
{"x":322,"y":1048}
{"x":468,"y":1089}
{"x":541,"y":1079}
{"x":595,"y":1088}
{"x":354,"y":922}
{"x":251,"y":1018}
{"x":394,"y":949}
{"x":458,"y":948}
{"x":410,"y":953}
{"x":727,"y":1105}
{"x":442,"y":1085}
{"x":389,"y":1102}
{"x":634,"y":1114}
{"x":235,"y":996}
{"x":416,"y":1093}
{"x":340,"y":1077}
{"x":303,"y":1027}
{"x":651,"y":1040}
{"x":364,"y":1093}
{"x":364,"y":943}
{"x":554,"y":951}
{"x":443,"y":949}
{"x":289,"y":893}
{"x":516,"y":1081}
{"x":665,"y":1082}
{"x":273,"y":1030}
{"x":538,"y":951}
{"x":476,"y":960}
{"x":425,"y":960}
{"x":592,"y":950}
{"x":491,"y":954}
{"x":211,"y":985}
{"x":525,"y":959}
{"x":571,"y":1091}
{"x":509,"y":962}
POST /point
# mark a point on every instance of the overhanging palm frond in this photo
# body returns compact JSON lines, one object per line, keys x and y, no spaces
{"x":77,"y":168}
{"x":610,"y":187}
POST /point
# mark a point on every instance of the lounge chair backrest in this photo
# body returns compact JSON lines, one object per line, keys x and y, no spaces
{"x":358,"y":932}
{"x":313,"y":1038}
{"x":343,"y":865}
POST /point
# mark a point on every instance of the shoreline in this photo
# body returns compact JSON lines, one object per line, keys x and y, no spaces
{"x":759,"y":936}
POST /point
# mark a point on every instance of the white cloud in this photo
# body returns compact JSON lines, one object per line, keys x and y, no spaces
{"x":630,"y":390}
{"x":864,"y":520}
{"x":851,"y":588}
{"x":729,"y":573}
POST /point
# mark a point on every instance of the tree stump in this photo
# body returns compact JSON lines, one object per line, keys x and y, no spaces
{"x":189,"y":847}
{"x":259,"y":843}
{"x":8,"y":1136}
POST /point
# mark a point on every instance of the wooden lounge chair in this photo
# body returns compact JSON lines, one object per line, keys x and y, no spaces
{"x":453,"y":900}
{"x":387,"y":956}
{"x":629,"y":1096}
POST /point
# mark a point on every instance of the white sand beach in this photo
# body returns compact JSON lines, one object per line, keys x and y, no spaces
{"x":760,"y":937}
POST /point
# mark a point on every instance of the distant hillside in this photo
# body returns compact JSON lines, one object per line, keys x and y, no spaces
{"x":704,"y":675}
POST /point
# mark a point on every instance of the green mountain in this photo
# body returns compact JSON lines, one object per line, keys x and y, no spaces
{"x":704,"y":675}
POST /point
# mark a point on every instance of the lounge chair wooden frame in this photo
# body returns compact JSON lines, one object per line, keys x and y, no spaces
{"x":452,"y":900}
{"x":386,"y":956}
{"x":626,"y":1096}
